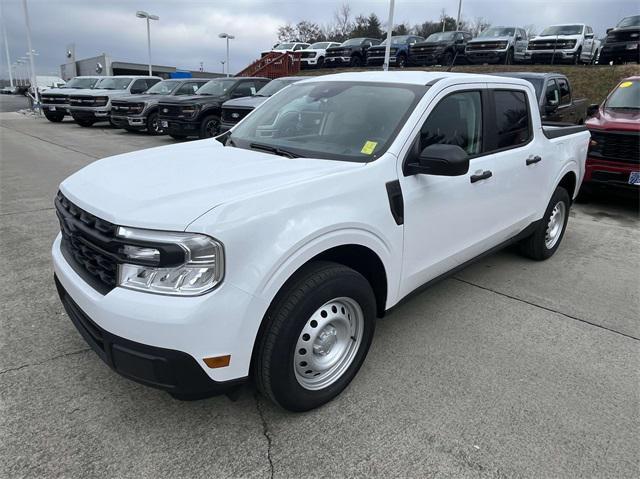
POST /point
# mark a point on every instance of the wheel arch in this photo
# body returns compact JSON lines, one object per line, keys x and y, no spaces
{"x":568,"y":181}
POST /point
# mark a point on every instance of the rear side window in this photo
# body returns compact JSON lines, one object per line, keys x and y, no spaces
{"x":456,"y":120}
{"x":513,"y":124}
{"x":188,"y":88}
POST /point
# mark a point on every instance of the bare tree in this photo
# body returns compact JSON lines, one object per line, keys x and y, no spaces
{"x":478,"y":25}
{"x":530,"y":29}
{"x":342,"y":20}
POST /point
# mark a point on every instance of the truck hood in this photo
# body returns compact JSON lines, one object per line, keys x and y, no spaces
{"x":560,"y":37}
{"x":621,"y":120}
{"x":170,"y":186}
{"x":245,"y":102}
{"x":489,"y":40}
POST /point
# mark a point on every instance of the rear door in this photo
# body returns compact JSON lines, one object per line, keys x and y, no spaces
{"x":450,"y":220}
{"x":521,"y":44}
{"x":566,"y":111}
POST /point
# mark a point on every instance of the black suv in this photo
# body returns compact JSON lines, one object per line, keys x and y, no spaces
{"x":353,"y":52}
{"x":140,"y":112}
{"x":623,"y":42}
{"x":442,"y":48}
{"x":398,"y":53}
{"x":199,"y":114}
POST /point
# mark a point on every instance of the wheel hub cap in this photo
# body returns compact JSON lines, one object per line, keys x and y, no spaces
{"x":555,"y":225}
{"x":328,"y":343}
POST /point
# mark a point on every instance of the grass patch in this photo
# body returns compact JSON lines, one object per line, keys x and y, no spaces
{"x":588,"y":81}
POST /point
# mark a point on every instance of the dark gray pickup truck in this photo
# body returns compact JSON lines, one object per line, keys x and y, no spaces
{"x":554,"y":97}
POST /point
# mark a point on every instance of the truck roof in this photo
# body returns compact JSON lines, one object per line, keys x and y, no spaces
{"x":541,"y":75}
{"x":414,"y":77}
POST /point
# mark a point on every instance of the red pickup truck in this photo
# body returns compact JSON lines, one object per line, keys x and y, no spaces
{"x":613,"y":159}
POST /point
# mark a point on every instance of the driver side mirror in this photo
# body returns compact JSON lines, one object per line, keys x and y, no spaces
{"x":441,"y":160}
{"x":588,"y":35}
{"x":593,"y":109}
{"x":551,"y":106}
{"x":518,"y":38}
{"x":608,"y":30}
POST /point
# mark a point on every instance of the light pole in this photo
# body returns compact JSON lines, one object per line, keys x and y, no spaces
{"x":387,"y":50}
{"x":459,"y":10}
{"x":34,"y":79}
{"x":228,"y":37}
{"x":6,"y":51}
{"x":25,"y":69}
{"x":142,"y":14}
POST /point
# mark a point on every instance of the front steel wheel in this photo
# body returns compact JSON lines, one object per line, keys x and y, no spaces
{"x":555,"y":226}
{"x":315,"y":336}
{"x":328,"y":343}
{"x":546,"y":238}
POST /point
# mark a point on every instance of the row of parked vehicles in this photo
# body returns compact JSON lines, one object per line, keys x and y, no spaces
{"x":567,"y":43}
{"x":269,"y":251}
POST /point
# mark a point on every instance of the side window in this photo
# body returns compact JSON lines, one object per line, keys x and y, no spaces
{"x":188,"y":88}
{"x":151,"y":82}
{"x":552,"y":95}
{"x":246,"y":88}
{"x":456,"y":120}
{"x":139,"y":86}
{"x":513,"y":126}
{"x":565,"y":92}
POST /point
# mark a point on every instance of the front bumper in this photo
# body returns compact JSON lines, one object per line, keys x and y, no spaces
{"x":102,"y":113}
{"x":226,"y":126}
{"x":129,"y":121}
{"x":180,"y":127}
{"x":181,"y":331}
{"x":545,"y":56}
{"x":309,"y":62}
{"x":375,"y":61}
{"x":619,"y":52}
{"x":599,"y":172}
{"x":57,"y":107}
{"x":337,"y":61}
{"x":486,"y":56}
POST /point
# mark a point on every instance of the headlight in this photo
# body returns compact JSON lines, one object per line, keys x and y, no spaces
{"x":101,"y":101}
{"x":189,"y":110}
{"x":182,"y":264}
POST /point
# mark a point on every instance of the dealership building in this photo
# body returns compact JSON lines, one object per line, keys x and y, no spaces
{"x":105,"y":65}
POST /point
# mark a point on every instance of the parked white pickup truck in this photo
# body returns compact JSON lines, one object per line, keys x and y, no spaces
{"x":270,"y":251}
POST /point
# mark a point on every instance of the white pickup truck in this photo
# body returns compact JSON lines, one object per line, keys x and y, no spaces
{"x":269,"y":251}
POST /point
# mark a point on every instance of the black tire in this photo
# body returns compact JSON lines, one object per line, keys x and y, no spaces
{"x":210,"y":126}
{"x":576,"y":58}
{"x":303,"y":295}
{"x":84,"y":123}
{"x":401,"y":61}
{"x":320,"y":62}
{"x":130,"y":129}
{"x":153,"y":124}
{"x":177,"y":137}
{"x":508,"y":59}
{"x":447,"y":59}
{"x":356,"y":61}
{"x":535,"y":246}
{"x":55,"y":117}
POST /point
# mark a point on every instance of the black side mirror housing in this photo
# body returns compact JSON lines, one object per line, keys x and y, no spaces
{"x":608,"y":30}
{"x":592,"y":109}
{"x":550,"y":108}
{"x":440,"y":160}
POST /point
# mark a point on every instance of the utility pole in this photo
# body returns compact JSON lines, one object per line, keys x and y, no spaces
{"x":387,"y":50}
{"x":458,"y":19}
{"x":34,"y":78}
{"x":6,"y":51}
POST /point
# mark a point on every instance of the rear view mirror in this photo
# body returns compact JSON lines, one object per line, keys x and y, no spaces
{"x":592,"y":109}
{"x":441,"y":160}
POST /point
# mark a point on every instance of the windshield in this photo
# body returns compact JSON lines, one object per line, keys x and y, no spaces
{"x":626,"y":95}
{"x":398,"y":40}
{"x":275,"y":86}
{"x":81,"y":83}
{"x":285,"y":46}
{"x":319,"y":46}
{"x":162,"y":88}
{"x":562,"y":30}
{"x":348,"y":121}
{"x":216,"y":87}
{"x":441,"y":37}
{"x":633,"y":21}
{"x":114,"y":83}
{"x":496,"y":32}
{"x":352,"y":42}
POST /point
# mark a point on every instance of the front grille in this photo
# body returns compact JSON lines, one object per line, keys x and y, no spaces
{"x":234,"y":115}
{"x":375,"y":51}
{"x":126,"y":107}
{"x":308,"y":55}
{"x":486,"y":46}
{"x":81,"y":100}
{"x":338,"y":53}
{"x":170,"y":111}
{"x":424,"y":49}
{"x":551,"y":44}
{"x":88,"y":244}
{"x":628,"y":36}
{"x":54,"y":99}
{"x":616,"y":146}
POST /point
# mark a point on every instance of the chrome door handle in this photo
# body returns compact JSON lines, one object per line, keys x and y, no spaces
{"x":535,"y":159}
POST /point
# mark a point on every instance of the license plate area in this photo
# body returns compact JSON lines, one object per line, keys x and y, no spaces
{"x":634,"y":178}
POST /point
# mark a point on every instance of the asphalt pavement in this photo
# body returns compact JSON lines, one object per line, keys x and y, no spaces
{"x":512,"y":368}
{"x":10,"y":103}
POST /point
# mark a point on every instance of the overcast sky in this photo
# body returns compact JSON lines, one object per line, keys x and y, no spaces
{"x":187,"y":32}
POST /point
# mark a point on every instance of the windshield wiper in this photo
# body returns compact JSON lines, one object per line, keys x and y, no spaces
{"x":273,"y":149}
